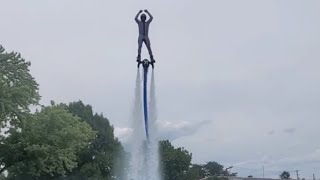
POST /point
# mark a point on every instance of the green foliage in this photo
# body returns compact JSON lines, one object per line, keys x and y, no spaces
{"x":213,"y":168}
{"x":18,"y":89}
{"x":105,"y":152}
{"x":196,"y":171}
{"x":47,"y":144}
{"x":285,"y":175}
{"x":2,"y":177}
{"x":175,"y":161}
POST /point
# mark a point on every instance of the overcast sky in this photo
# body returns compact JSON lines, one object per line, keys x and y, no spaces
{"x":237,"y":81}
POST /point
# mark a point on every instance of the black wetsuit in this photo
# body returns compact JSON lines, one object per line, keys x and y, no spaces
{"x":143,"y":34}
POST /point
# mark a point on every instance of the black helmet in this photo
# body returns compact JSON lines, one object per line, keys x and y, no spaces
{"x":143,"y":17}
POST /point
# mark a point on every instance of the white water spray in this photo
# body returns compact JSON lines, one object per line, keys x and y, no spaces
{"x":144,"y":164}
{"x":137,"y":136}
{"x":154,"y":159}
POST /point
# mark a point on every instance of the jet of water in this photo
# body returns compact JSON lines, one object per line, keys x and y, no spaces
{"x":137,"y":135}
{"x":145,"y":164}
{"x":154,"y":163}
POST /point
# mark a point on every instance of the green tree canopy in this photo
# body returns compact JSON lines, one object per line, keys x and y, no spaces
{"x":99,"y":160}
{"x":2,"y":177}
{"x":175,"y":161}
{"x":47,"y":144}
{"x":213,"y":168}
{"x":18,"y":89}
{"x":197,"y":171}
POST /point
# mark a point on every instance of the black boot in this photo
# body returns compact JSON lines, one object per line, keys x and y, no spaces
{"x":139,"y":59}
{"x":152,"y":60}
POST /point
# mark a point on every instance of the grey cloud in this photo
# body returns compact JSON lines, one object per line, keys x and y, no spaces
{"x":289,"y":130}
{"x":166,"y":130}
{"x":175,"y":130}
{"x":271,"y":132}
{"x":123,"y":133}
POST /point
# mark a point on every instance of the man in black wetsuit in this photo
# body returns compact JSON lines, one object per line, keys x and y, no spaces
{"x":143,"y":33}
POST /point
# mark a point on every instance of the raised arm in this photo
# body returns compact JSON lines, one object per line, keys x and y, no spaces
{"x":137,"y":16}
{"x":150,"y":16}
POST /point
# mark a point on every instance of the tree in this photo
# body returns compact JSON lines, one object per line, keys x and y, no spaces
{"x":213,"y":168}
{"x":18,"y":89}
{"x":197,"y":171}
{"x":47,"y":144}
{"x":98,"y":160}
{"x":2,"y":177}
{"x":210,"y":170}
{"x":285,"y":175}
{"x":175,"y":161}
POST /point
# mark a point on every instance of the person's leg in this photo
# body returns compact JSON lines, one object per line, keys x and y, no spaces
{"x":148,"y":44}
{"x":140,"y":41}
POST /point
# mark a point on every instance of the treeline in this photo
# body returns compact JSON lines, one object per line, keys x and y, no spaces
{"x":67,"y":141}
{"x":211,"y":170}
